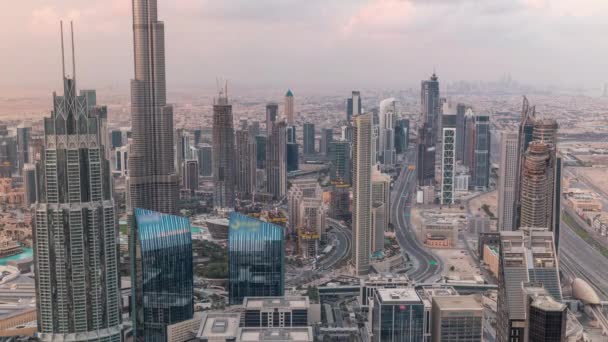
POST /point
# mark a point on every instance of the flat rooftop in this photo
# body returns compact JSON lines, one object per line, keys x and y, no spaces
{"x":219,"y":325}
{"x":457,"y":303}
{"x":399,"y":295}
{"x":295,"y":302}
{"x":299,"y":334}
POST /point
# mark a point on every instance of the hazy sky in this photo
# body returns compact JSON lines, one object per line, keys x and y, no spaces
{"x":305,"y":43}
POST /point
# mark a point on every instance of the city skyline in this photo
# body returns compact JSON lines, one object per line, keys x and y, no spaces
{"x":545,"y":33}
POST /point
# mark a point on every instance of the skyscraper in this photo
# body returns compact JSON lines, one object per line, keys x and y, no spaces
{"x":469,"y":140}
{"x":425,"y":160}
{"x":245,"y":164}
{"x":327,"y":136}
{"x":402,"y":131}
{"x":190,"y":175}
{"x":362,"y":191}
{"x":481,"y":161}
{"x":381,"y":196}
{"x":75,"y":228}
{"x":506,"y":181}
{"x":461,"y":110}
{"x":309,"y":139}
{"x":23,"y":146}
{"x":527,"y":255}
{"x":448,"y":158}
{"x":260,"y":150}
{"x":546,"y":318}
{"x":153,"y":183}
{"x":536,"y":189}
{"x":353,"y":106}
{"x":289,"y":108}
{"x":340,"y":170}
{"x":431,"y":106}
{"x":30,"y":184}
{"x":272,"y":115}
{"x":293,"y":157}
{"x":165,"y":273}
{"x":256,"y":253}
{"x":224,"y":153}
{"x":276,"y":161}
{"x":388,"y":117}
{"x":205,"y":160}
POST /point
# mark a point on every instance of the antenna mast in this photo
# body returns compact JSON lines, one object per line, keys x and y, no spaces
{"x":62,"y":50}
{"x":73,"y":55}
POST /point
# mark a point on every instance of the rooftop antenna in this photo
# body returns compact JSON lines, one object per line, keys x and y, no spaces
{"x":73,"y":54}
{"x":62,"y":50}
{"x":226,"y":88}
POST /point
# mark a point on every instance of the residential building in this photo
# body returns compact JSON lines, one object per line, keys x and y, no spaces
{"x":448,"y":159}
{"x":74,"y":227}
{"x":276,"y":312}
{"x":387,"y":118}
{"x":507,"y":181}
{"x":246,"y":164}
{"x":362,"y":192}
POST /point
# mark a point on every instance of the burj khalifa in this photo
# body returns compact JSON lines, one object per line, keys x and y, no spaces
{"x":153,"y":183}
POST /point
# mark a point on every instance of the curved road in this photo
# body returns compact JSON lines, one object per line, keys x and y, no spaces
{"x":427,"y":267}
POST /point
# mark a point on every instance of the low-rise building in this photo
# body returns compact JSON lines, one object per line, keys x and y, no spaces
{"x":218,"y":327}
{"x":276,"y":311}
{"x":491,"y":257}
{"x":457,"y":318}
{"x":296,"y":334}
{"x":397,"y":315}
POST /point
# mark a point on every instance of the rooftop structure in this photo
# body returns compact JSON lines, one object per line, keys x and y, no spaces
{"x":298,"y":334}
{"x":276,"y":303}
{"x":219,"y":327}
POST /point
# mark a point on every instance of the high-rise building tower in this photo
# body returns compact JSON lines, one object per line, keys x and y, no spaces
{"x":448,"y":158}
{"x":289,"y":108}
{"x":481,"y":159}
{"x":546,"y":318}
{"x":381,"y":196}
{"x":260,"y":150}
{"x":245,"y":164}
{"x":190,"y":175}
{"x":468,"y":157}
{"x":362,"y":191}
{"x":224,"y":153}
{"x":327,"y":136}
{"x":387,"y":118}
{"x":506,"y":181}
{"x":461,"y":110}
{"x":23,"y":146}
{"x":153,"y":183}
{"x":340,"y":170}
{"x":402,"y":132}
{"x":527,"y":255}
{"x":272,"y":115}
{"x":165,"y":274}
{"x":525,"y":132}
{"x":353,"y":106}
{"x":30,"y":184}
{"x":536,"y":189}
{"x":205,"y":160}
{"x":431,"y":106}
{"x":276,"y":161}
{"x":293,"y":157}
{"x":75,"y":227}
{"x":309,"y":139}
{"x":256,"y":259}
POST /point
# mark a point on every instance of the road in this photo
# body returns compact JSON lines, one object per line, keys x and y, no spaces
{"x":583,"y":261}
{"x":342,"y":245}
{"x":426,"y":266}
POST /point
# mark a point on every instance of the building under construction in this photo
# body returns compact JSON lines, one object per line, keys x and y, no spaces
{"x":536,"y":190}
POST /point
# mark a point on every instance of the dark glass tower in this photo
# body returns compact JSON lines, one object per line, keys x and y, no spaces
{"x":153,"y":183}
{"x":309,"y":139}
{"x":224,"y":153}
{"x":481,"y":160}
{"x":256,"y":254}
{"x":165,"y":274}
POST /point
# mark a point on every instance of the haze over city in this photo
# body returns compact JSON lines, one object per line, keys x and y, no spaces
{"x":317,"y":44}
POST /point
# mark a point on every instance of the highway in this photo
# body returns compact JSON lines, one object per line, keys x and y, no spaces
{"x":579,"y":259}
{"x":426,"y":266}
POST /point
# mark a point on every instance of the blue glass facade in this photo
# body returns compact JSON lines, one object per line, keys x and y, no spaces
{"x":163,"y":285}
{"x":398,"y":322}
{"x":256,"y":253}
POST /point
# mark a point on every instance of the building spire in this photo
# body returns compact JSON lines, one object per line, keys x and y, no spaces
{"x":62,"y":50}
{"x":73,"y":55}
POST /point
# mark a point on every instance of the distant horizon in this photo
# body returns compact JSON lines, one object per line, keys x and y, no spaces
{"x":317,"y":44}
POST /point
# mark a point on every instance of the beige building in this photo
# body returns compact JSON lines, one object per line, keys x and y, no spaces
{"x":491,"y":258}
{"x":456,"y":318}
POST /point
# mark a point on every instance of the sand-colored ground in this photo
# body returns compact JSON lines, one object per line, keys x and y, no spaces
{"x":596,"y":176}
{"x":464,"y":265}
{"x":490,"y":198}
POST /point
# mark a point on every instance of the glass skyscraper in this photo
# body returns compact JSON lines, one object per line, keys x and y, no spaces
{"x":164,"y":292}
{"x":256,"y":254}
